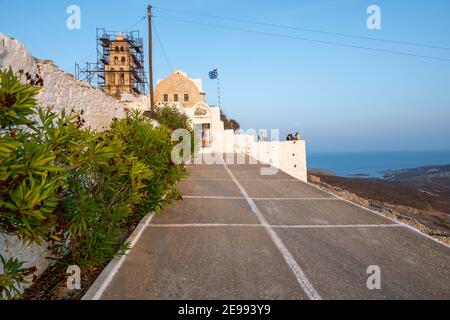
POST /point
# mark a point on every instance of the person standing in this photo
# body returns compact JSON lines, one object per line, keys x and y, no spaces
{"x":203,"y":139}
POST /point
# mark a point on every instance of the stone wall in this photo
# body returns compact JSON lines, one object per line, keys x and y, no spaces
{"x":136,"y":102}
{"x":60,"y":90}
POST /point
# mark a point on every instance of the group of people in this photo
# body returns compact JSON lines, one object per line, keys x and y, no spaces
{"x":291,"y":137}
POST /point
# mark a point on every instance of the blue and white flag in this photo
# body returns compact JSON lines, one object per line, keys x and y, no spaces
{"x":213,"y":74}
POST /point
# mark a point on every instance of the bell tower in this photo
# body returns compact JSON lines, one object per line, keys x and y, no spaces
{"x":118,"y":78}
{"x":120,"y":64}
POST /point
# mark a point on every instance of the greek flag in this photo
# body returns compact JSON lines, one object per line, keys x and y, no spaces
{"x":213,"y":74}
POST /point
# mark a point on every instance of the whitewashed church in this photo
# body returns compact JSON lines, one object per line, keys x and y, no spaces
{"x":188,"y":95}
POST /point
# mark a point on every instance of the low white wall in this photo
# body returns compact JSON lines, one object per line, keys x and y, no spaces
{"x":288,"y":156}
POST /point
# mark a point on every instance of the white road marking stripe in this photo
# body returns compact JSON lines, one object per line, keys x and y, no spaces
{"x":251,"y":180}
{"x":298,"y":272}
{"x":258,"y":199}
{"x":213,"y":197}
{"x":113,"y":267}
{"x":283,"y":226}
{"x":299,"y":199}
{"x":329,"y":226}
{"x":204,"y":225}
{"x":407,"y":226}
{"x":200,"y":179}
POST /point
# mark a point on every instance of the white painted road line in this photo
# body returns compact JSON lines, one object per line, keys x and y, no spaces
{"x":259,"y":199}
{"x":407,"y":226}
{"x":343,"y":226}
{"x":245,"y":180}
{"x":295,"y":199}
{"x":195,"y":179}
{"x":204,"y":225}
{"x":298,"y":272}
{"x":213,"y":197}
{"x":96,"y":290}
{"x":284,"y":226}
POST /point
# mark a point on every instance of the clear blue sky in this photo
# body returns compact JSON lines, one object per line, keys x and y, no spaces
{"x":338,"y":98}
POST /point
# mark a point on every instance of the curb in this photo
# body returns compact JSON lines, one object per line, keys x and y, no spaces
{"x":102,"y":282}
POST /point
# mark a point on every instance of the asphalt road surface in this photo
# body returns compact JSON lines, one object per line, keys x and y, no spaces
{"x":240,"y":235}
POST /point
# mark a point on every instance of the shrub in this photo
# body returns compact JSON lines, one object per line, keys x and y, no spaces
{"x":153,"y":147}
{"x":29,"y":181}
{"x":102,"y":186}
{"x":74,"y":188}
{"x":13,"y":277}
{"x":16,"y":101}
{"x":170,"y":116}
{"x":229,"y":123}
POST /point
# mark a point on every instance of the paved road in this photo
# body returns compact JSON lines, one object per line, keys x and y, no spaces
{"x":240,"y":235}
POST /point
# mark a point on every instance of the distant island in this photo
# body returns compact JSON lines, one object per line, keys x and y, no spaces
{"x":417,"y":173}
{"x":431,"y":177}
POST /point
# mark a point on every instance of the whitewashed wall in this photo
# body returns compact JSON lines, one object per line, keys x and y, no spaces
{"x":288,"y":156}
{"x":60,"y":90}
{"x":136,"y":102}
{"x":33,"y":255}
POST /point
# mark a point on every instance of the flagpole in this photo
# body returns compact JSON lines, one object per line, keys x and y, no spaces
{"x":218,"y":87}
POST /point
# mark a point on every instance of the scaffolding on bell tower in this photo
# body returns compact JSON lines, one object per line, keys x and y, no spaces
{"x":120,"y":64}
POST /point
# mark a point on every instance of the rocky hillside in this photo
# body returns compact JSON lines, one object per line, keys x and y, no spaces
{"x":425,"y":210}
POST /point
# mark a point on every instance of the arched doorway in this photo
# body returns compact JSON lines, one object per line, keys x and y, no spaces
{"x":202,"y":121}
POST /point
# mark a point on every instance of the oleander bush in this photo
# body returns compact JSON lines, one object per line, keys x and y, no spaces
{"x":169,"y":116}
{"x":13,"y":277}
{"x":153,"y":147}
{"x":75,"y":189}
{"x":29,"y":180}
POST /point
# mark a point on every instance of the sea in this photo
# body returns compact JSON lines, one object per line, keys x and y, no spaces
{"x":372,"y":164}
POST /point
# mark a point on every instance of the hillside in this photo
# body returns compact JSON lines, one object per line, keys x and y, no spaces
{"x":409,"y":196}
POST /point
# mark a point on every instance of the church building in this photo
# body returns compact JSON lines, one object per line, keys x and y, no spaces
{"x":188,"y":95}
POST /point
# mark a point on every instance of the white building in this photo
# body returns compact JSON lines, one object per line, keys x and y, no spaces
{"x":188,"y":95}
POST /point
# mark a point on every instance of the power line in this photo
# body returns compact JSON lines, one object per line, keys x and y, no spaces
{"x":307,"y":29}
{"x":134,"y":25}
{"x":308,"y":39}
{"x":84,"y":60}
{"x":162,"y":47}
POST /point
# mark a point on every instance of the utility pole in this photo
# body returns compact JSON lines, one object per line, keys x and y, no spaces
{"x":150,"y":59}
